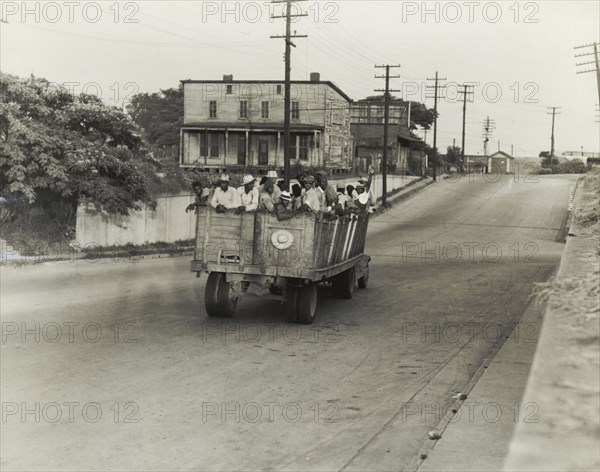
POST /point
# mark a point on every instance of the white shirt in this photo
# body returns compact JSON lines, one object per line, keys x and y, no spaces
{"x":229,"y":199}
{"x":249,"y":200}
{"x":315,"y":199}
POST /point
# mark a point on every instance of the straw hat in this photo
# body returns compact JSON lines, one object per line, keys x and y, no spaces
{"x":247,"y":179}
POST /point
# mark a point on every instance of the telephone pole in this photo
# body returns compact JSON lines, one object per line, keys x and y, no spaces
{"x":436,"y":87}
{"x":465,"y":93}
{"x":288,"y":69}
{"x":595,"y":62}
{"x":488,"y":131}
{"x":553,"y":112}
{"x":386,"y":119}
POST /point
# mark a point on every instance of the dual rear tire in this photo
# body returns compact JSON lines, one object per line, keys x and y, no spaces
{"x":301,"y":303}
{"x":220,"y":299}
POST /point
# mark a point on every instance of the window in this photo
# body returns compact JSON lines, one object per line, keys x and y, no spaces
{"x":229,"y":89}
{"x":264,"y":111}
{"x":212,"y":109}
{"x":209,"y":145}
{"x":279,"y":90}
{"x":295,"y":110}
{"x":243,"y":108}
{"x":303,"y":147}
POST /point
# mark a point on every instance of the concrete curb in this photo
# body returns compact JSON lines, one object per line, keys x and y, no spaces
{"x":565,"y":377}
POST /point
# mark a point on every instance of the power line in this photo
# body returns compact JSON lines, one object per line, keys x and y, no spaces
{"x":436,"y":97}
{"x":465,"y":93}
{"x":553,"y":113}
{"x":386,"y":118}
{"x":488,"y":131}
{"x":596,"y":62}
{"x":288,"y":69}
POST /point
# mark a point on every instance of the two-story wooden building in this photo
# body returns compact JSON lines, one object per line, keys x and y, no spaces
{"x":367,"y":126}
{"x":232,"y":124}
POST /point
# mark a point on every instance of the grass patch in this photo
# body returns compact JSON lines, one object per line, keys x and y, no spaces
{"x":134,"y":250}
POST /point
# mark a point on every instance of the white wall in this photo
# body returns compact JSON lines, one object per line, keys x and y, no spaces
{"x":168,"y":223}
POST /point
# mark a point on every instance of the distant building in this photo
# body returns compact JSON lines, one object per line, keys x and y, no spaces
{"x":367,"y":126}
{"x":497,"y":162}
{"x":586,"y":157}
{"x":240,"y":123}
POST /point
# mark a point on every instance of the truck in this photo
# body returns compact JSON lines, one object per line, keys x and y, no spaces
{"x":289,"y":258}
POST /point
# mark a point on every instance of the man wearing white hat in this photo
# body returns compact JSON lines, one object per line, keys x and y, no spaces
{"x":273,"y":177}
{"x":284,"y":209}
{"x":363,"y":189}
{"x":248,"y":194}
{"x":225,"y":197}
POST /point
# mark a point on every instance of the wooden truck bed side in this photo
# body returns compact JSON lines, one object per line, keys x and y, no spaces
{"x":244,"y":244}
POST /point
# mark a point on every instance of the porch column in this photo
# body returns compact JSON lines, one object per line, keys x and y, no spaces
{"x":277,"y":148}
{"x":248,"y":148}
{"x":313,"y":150}
{"x":226,"y":147}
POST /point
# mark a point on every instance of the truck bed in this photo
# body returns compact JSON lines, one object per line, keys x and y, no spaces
{"x":258,"y":244}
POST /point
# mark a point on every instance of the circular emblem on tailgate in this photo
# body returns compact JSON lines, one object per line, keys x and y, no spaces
{"x":282,"y":239}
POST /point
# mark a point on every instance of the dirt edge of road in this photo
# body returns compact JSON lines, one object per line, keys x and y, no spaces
{"x":565,"y":377}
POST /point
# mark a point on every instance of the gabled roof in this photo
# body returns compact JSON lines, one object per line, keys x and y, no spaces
{"x":502,"y":154}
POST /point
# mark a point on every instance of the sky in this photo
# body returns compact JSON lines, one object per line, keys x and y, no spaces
{"x":518,"y":55}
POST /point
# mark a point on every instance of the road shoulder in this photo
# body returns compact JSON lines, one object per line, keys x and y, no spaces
{"x":565,"y":377}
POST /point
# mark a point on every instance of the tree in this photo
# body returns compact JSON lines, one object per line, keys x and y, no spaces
{"x":159,"y":115}
{"x":420,"y":115}
{"x":59,"y":148}
{"x":453,"y":155}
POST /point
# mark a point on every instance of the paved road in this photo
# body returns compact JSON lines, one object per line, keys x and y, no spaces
{"x":163,"y":387}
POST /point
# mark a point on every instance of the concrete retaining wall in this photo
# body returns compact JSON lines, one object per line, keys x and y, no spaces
{"x":168,"y":223}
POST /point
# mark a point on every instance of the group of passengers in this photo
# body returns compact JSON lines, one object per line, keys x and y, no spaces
{"x":312,"y":193}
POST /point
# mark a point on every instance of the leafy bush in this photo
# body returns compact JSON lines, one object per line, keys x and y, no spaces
{"x":575,"y":166}
{"x":59,"y":148}
{"x":545,"y":171}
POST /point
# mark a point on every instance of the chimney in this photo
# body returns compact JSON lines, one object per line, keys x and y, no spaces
{"x":315,"y":77}
{"x":227,"y":77}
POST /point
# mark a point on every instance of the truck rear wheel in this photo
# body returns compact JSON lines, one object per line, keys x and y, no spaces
{"x":219,"y":297}
{"x":343,"y":284}
{"x":307,"y":304}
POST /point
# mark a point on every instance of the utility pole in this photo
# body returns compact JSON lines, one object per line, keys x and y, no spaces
{"x":553,"y":112}
{"x":435,"y":102}
{"x":386,"y":119}
{"x":596,"y":62}
{"x":288,"y":69}
{"x":488,"y":131}
{"x":465,"y":92}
